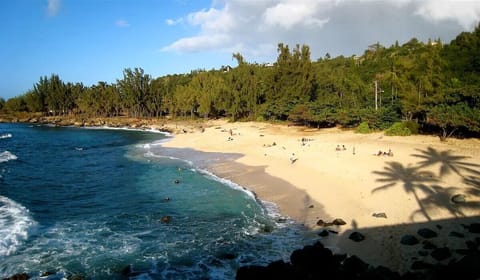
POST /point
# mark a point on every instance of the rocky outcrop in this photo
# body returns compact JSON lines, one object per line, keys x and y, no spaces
{"x":317,"y":262}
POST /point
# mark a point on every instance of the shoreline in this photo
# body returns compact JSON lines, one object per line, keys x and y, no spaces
{"x":325,"y":184}
{"x":412,"y":188}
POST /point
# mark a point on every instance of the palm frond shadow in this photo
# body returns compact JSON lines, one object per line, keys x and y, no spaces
{"x":412,"y":179}
{"x":448,"y":162}
{"x":440,"y":198}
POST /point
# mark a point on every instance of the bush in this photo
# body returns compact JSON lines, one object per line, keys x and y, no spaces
{"x":363,"y":128}
{"x":398,"y":129}
{"x":413,"y":126}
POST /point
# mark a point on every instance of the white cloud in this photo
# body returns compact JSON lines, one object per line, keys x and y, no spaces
{"x":52,"y":7}
{"x":254,"y":27}
{"x":122,"y":23}
{"x":466,"y":12}
{"x":173,"y":21}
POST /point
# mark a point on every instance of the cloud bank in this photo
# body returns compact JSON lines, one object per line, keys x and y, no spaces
{"x":254,"y":27}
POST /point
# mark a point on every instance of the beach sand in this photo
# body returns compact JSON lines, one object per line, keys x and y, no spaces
{"x":413,"y":188}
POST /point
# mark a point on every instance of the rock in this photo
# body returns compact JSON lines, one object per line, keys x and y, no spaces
{"x":379,"y":215}
{"x":409,"y":240}
{"x":423,"y":253}
{"x":176,"y":181}
{"x":321,"y":223}
{"x":474,"y":228}
{"x":427,"y":233}
{"x":456,"y":234}
{"x":267,"y":228}
{"x":332,"y":231}
{"x":441,"y":254}
{"x":354,"y":266}
{"x":420,"y":265}
{"x":323,"y":233}
{"x":428,"y":245}
{"x":311,"y":206}
{"x":459,"y":198}
{"x":356,"y":236}
{"x":281,"y":220}
{"x":339,"y":222}
{"x":166,"y":219}
{"x":20,"y":276}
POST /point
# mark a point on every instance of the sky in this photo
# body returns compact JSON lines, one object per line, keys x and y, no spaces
{"x":89,"y":41}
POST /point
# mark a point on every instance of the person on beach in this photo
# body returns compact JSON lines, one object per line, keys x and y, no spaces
{"x":293,"y":159}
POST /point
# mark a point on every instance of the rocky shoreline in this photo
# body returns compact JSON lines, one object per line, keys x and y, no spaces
{"x":318,"y":262}
{"x":163,"y":125}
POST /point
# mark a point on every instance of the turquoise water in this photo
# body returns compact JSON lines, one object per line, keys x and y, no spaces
{"x":90,"y":202}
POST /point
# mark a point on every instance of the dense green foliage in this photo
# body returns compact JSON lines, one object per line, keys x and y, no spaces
{"x":431,"y":86}
{"x":398,"y":129}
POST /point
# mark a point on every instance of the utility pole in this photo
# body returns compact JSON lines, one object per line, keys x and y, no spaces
{"x":376,"y":96}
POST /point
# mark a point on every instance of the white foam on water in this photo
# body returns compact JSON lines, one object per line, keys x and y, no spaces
{"x":15,"y":223}
{"x":5,"y":136}
{"x":7,"y":156}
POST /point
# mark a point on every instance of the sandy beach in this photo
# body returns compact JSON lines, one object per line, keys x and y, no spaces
{"x":304,"y":173}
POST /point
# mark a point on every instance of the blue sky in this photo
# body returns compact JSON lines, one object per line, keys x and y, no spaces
{"x":94,"y":40}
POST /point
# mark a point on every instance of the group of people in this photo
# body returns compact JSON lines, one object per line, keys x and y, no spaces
{"x":387,"y":154}
{"x":338,"y":148}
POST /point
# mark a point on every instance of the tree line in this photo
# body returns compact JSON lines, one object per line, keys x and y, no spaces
{"x":434,"y":85}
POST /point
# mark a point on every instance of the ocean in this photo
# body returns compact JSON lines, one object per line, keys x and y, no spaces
{"x":93,"y":203}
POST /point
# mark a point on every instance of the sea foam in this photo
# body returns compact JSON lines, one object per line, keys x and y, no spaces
{"x":5,"y":136}
{"x":15,"y":222}
{"x":6,"y":156}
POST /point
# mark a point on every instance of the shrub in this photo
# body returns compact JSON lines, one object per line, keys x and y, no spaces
{"x":363,"y":128}
{"x":398,"y":129}
{"x":412,"y":126}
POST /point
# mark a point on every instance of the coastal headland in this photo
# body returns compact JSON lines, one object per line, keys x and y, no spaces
{"x":337,"y":182}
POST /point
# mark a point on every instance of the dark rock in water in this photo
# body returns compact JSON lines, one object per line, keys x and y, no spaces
{"x":457,"y":234}
{"x":459,"y":198}
{"x":323,"y":233}
{"x":281,"y":220}
{"x":428,"y":245}
{"x":267,"y":228}
{"x":166,"y":199}
{"x":76,"y":277}
{"x":438,"y":226}
{"x":379,"y":215}
{"x":20,"y":276}
{"x":356,"y":236}
{"x":252,"y":272}
{"x":176,"y":181}
{"x":441,"y":254}
{"x":427,"y":233}
{"x":227,"y":256}
{"x":420,"y":265}
{"x":409,"y":240}
{"x":332,"y":231}
{"x":166,"y":219}
{"x":321,"y":223}
{"x":339,"y":222}
{"x":474,"y":228}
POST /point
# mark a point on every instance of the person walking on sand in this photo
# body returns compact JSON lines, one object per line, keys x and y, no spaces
{"x":293,"y":159}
